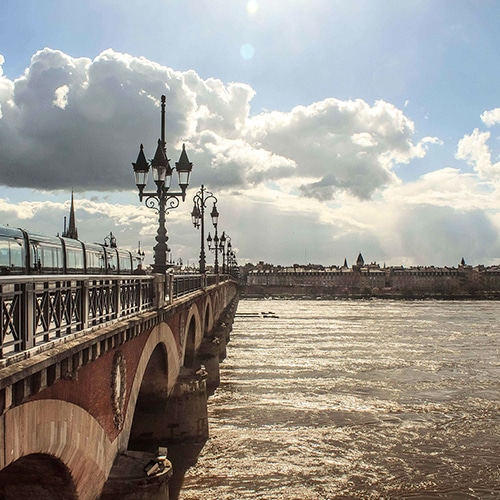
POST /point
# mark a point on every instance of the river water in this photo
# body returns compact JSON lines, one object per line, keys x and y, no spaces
{"x":355,"y":399}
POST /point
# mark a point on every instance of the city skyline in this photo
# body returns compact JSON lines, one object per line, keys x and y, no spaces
{"x":324,"y":128}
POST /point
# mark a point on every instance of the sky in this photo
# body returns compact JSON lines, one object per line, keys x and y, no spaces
{"x":324,"y":128}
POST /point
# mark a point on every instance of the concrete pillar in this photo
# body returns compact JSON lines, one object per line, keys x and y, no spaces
{"x":159,"y":300}
{"x":220,"y":335}
{"x":208,"y":356}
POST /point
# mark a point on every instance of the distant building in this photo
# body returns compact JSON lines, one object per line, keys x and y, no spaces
{"x":371,"y":279}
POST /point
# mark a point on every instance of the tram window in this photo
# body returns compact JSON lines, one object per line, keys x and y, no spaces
{"x":74,"y":260}
{"x":17,"y":254}
{"x":4,"y":254}
{"x":11,"y":255}
{"x":125,"y":263}
{"x":95,"y":261}
{"x":111,"y":255}
{"x":51,"y":260}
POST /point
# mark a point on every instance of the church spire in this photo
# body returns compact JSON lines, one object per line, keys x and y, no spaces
{"x":360,"y":261}
{"x":71,"y":232}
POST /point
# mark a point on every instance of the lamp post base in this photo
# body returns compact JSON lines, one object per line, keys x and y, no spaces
{"x":161,"y":268}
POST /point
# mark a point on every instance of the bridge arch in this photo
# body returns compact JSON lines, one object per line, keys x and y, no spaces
{"x":208,"y":316}
{"x":66,"y":433}
{"x":151,"y":403}
{"x":38,"y":475}
{"x":190,"y":348}
{"x":193,"y":335}
{"x":159,"y":358}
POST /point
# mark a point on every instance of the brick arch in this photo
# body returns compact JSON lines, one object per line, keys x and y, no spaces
{"x":65,"y":431}
{"x":208,"y":316}
{"x":161,"y":335}
{"x":37,"y":476}
{"x":215,"y":301}
{"x":151,"y":404}
{"x":218,"y":301}
{"x":193,"y":334}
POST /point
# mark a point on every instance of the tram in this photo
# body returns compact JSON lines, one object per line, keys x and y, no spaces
{"x":23,"y":252}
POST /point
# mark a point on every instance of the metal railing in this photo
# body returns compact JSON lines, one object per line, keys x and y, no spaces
{"x":187,"y":283}
{"x":35,"y":310}
{"x":38,"y":309}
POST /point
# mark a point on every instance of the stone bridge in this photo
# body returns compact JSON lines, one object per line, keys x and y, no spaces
{"x":99,"y":373}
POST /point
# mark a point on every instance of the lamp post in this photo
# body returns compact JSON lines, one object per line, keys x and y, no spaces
{"x":231,"y":263}
{"x":161,"y":200}
{"x":110,"y":241}
{"x":140,"y":254}
{"x":226,"y":249}
{"x":230,"y":257}
{"x":214,"y":214}
{"x":198,"y":217}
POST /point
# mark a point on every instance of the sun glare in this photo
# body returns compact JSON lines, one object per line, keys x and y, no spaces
{"x":252,"y":7}
{"x":247,"y":51}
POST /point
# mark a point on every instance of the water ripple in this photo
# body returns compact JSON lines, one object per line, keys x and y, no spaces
{"x":368,"y":400}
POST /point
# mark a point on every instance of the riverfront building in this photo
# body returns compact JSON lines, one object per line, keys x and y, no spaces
{"x":372,"y":279}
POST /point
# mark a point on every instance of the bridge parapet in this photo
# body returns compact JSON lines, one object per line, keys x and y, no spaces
{"x":41,"y":309}
{"x":35,"y":311}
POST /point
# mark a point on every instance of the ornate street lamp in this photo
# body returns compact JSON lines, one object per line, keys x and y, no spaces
{"x":140,"y":254}
{"x":225,"y":248}
{"x":229,"y":264}
{"x":198,"y":217}
{"x":214,"y":214}
{"x":162,"y":200}
{"x":232,"y":265}
{"x":110,"y":240}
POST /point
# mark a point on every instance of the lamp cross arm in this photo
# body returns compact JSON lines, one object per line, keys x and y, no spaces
{"x":167,"y":194}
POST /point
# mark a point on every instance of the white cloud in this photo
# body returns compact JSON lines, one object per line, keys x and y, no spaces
{"x":447,"y":187}
{"x":474,"y":150}
{"x":61,"y":97}
{"x":6,"y":88}
{"x":343,"y":145}
{"x":83,"y":121}
{"x":491,"y":117}
{"x":438,"y":219}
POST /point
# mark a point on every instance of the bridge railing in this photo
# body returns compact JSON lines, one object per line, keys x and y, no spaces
{"x":38,"y":309}
{"x":35,"y":310}
{"x":186,"y":283}
{"x":183,"y":284}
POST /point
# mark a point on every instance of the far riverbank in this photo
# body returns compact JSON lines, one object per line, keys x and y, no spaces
{"x":304,"y":292}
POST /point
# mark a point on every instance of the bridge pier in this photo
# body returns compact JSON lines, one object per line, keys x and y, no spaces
{"x":208,"y":356}
{"x":187,"y":416}
{"x":180,"y":423}
{"x":220,"y":334}
{"x":213,"y":349}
